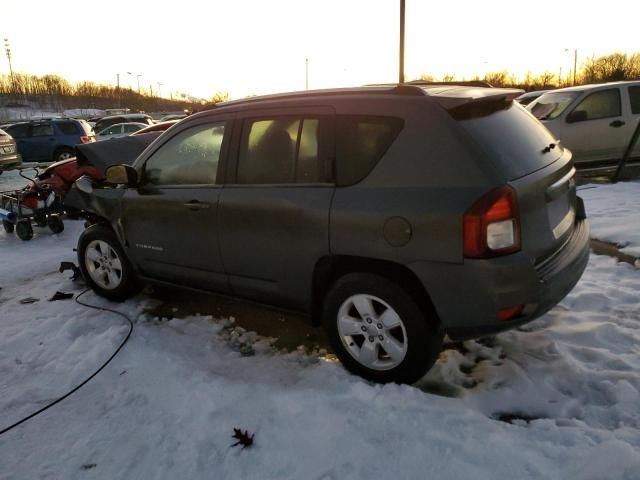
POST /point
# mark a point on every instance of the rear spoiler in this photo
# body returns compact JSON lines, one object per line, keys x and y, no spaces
{"x":452,"y":98}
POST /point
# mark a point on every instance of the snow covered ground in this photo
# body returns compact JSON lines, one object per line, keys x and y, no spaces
{"x":556,"y":399}
{"x":614,"y":214}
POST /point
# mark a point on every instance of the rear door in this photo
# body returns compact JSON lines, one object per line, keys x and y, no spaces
{"x":42,"y":141}
{"x":633,"y":93}
{"x":170,"y":221}
{"x":274,"y":208}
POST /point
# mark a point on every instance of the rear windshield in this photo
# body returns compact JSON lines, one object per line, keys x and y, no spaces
{"x":551,"y":105}
{"x":510,"y":135}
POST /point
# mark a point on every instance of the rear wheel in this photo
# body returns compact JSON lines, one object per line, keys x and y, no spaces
{"x":379,"y":331}
{"x":24,"y":230}
{"x":8,"y":226}
{"x":104,"y":264}
{"x":63,"y":153}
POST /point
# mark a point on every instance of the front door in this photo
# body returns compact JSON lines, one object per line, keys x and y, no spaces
{"x":599,"y":131}
{"x":274,"y":210}
{"x":170,"y":222}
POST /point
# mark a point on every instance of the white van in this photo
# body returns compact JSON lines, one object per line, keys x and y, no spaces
{"x":595,"y":122}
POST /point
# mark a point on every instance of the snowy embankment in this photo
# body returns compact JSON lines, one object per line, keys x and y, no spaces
{"x":614,"y":214}
{"x":557,"y":399}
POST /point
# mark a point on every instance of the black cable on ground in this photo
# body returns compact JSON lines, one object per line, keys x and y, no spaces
{"x":71,"y":392}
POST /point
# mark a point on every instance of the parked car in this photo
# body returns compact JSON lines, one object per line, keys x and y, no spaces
{"x":105,"y":122}
{"x":9,"y":156}
{"x":49,"y":140}
{"x":156,"y":127}
{"x":120,"y":130}
{"x":595,"y":122}
{"x":393,"y":215}
{"x":527,"y":98}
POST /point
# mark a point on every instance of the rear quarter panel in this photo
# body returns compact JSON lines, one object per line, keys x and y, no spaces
{"x":429,"y":177}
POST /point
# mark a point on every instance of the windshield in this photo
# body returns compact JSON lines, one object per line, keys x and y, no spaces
{"x":551,"y":105}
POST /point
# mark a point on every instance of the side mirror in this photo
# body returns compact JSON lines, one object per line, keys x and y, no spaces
{"x":122,"y":175}
{"x":577,"y":116}
{"x":84,"y":184}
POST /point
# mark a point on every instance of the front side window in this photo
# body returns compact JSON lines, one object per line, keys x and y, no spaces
{"x":634,"y":98}
{"x":45,"y":130}
{"x":129,"y":128}
{"x":189,"y":158}
{"x":280,"y":150}
{"x":19,"y":131}
{"x":603,"y":104}
{"x":112,"y":130}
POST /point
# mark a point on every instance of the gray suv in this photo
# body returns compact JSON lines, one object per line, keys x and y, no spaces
{"x":392,"y":215}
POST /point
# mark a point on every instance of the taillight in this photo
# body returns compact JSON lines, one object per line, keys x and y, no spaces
{"x":491,"y":227}
{"x":87,"y":138}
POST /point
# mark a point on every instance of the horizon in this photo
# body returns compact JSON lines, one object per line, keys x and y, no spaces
{"x":347,"y":43}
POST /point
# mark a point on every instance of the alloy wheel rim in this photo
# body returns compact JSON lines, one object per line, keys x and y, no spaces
{"x":372,"y":332}
{"x":103,"y":264}
{"x":65,"y":156}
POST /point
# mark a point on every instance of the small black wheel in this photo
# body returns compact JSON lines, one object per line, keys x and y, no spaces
{"x":55,"y":224}
{"x":8,"y":226}
{"x":105,"y":266}
{"x":24,"y":230}
{"x":63,"y":153}
{"x":379,"y":331}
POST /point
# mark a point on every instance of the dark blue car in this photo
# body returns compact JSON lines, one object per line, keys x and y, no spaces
{"x":49,"y":140}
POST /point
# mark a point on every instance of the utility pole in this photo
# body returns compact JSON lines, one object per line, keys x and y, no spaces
{"x":575,"y":64}
{"x":306,"y":74}
{"x":138,"y":78}
{"x":118,"y":89}
{"x":7,"y":48}
{"x":401,"y":66}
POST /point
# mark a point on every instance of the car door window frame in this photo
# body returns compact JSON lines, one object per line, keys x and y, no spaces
{"x":326,"y":144}
{"x":141,"y":163}
{"x":581,"y":101}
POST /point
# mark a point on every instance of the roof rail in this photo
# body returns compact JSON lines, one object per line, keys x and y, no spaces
{"x":396,"y":89}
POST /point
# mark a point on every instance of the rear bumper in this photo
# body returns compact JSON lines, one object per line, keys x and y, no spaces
{"x":467,"y":296}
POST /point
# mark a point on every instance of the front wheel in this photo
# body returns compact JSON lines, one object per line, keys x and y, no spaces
{"x":8,"y":226}
{"x":378,"y":331}
{"x":104,"y":264}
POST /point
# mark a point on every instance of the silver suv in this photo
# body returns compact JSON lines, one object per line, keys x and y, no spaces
{"x":392,"y":215}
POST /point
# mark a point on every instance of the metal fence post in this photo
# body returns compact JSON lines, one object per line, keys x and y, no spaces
{"x":627,"y":153}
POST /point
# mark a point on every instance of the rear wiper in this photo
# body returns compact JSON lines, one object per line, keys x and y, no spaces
{"x":550,"y":147}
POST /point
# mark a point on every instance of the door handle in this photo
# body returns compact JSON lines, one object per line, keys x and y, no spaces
{"x":196,"y":205}
{"x":616,"y":123}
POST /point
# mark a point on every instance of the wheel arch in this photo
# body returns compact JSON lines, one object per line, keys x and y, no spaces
{"x":330,"y":268}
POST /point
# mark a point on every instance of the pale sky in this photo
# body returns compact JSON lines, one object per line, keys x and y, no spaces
{"x":246,"y":47}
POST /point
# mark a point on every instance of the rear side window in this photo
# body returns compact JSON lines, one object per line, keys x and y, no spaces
{"x":69,"y":128}
{"x":189,"y":158}
{"x":634,"y":98}
{"x":281,"y":150}
{"x":603,"y":104}
{"x":361,"y":141}
{"x":128,"y":128}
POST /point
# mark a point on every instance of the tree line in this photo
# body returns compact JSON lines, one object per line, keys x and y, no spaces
{"x":57,"y":93}
{"x":609,"y":68}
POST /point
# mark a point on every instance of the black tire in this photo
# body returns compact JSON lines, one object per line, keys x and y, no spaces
{"x":421,"y":346}
{"x":24,"y":230}
{"x":63,"y":153}
{"x":8,"y":226}
{"x":55,"y":224}
{"x":128,"y":285}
